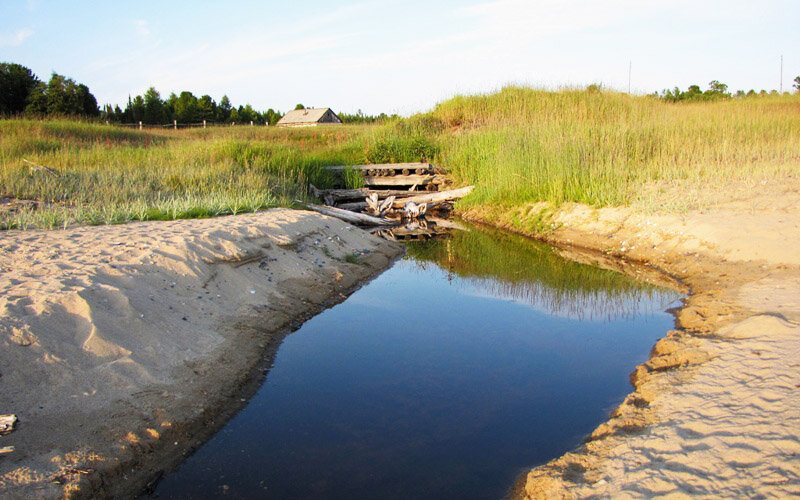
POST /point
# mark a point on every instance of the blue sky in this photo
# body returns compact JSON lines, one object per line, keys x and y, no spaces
{"x":398,"y":56}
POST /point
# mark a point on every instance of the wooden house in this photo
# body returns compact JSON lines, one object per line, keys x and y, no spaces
{"x":309,"y":117}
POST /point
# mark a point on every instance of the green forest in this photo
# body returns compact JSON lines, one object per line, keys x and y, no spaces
{"x":23,"y":93}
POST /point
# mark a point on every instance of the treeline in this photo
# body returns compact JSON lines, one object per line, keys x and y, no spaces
{"x":21,"y":91}
{"x":360,"y":117}
{"x":716,"y":90}
{"x":185,"y":108}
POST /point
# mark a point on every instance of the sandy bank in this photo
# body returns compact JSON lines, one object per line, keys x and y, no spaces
{"x":123,"y":347}
{"x":716,"y":409}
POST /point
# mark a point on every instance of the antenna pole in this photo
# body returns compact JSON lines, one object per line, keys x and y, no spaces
{"x":630,"y":66}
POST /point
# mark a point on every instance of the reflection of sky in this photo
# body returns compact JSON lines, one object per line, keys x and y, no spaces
{"x":420,"y":386}
{"x":597,"y":305}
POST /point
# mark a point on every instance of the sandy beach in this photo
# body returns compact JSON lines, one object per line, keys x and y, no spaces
{"x":716,"y":410}
{"x":125,"y":347}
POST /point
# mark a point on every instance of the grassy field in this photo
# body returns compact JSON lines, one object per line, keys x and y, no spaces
{"x":102,"y":174}
{"x":517,"y":146}
{"x":601,"y":148}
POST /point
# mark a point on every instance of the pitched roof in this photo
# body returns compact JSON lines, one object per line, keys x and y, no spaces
{"x":308,"y":115}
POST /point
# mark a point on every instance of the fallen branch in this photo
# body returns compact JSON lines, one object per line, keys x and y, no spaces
{"x":35,"y":167}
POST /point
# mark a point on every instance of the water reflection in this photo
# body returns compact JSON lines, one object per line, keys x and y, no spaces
{"x":423,"y":384}
{"x":511,"y":267}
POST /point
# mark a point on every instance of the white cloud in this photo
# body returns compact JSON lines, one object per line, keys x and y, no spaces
{"x":141,"y":27}
{"x":15,"y":39}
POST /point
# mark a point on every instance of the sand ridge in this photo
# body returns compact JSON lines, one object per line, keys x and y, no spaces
{"x":123,"y":346}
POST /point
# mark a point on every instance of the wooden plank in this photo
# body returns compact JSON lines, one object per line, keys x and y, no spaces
{"x":350,"y":217}
{"x":382,"y":166}
{"x":400,"y":180}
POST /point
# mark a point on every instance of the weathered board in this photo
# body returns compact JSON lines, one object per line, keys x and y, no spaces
{"x":384,"y":167}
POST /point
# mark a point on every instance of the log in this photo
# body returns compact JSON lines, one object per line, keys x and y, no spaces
{"x":402,"y":180}
{"x":338,"y":195}
{"x":431,"y":198}
{"x":7,"y":423}
{"x":348,"y":216}
{"x":437,"y":197}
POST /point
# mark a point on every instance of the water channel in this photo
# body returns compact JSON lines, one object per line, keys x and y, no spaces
{"x":473,"y":358}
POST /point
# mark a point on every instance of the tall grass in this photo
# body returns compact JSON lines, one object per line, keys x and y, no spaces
{"x":521,"y":145}
{"x":517,"y":146}
{"x":101,"y":174}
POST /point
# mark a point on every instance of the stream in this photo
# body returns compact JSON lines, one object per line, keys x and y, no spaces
{"x":472,"y":359}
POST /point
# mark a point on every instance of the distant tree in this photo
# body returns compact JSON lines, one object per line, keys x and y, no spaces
{"x":594,"y":88}
{"x":62,"y":96}
{"x":224,"y":109}
{"x":206,"y":108}
{"x":716,"y":90}
{"x":136,"y":106}
{"x":693,"y":93}
{"x":271,"y":117}
{"x":740,"y":93}
{"x":751,"y":92}
{"x":37,"y":100}
{"x":299,"y":106}
{"x":796,"y":83}
{"x":16,"y":84}
{"x":153,"y":112}
{"x":186,"y":109}
{"x":246,"y":114}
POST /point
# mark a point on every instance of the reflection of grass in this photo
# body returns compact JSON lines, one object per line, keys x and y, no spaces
{"x":518,"y":268}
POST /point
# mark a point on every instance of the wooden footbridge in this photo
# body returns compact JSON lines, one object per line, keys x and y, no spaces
{"x":415,"y":189}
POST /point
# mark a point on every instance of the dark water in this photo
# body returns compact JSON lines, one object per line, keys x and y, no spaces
{"x":465,"y":363}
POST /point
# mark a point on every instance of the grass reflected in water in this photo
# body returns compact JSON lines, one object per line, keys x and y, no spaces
{"x":513,"y":267}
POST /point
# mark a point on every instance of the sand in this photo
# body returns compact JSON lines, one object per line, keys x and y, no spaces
{"x":124,"y":347}
{"x":716,"y":410}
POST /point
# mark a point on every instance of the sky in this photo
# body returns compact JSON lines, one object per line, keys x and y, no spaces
{"x":400,"y":56}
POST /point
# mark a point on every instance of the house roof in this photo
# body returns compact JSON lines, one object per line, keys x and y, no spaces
{"x":308,"y":115}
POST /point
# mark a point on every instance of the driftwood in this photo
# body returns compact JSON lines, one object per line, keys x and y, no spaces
{"x":350,"y":217}
{"x":419,"y":199}
{"x":337,"y":195}
{"x":437,"y":197}
{"x":7,"y":423}
{"x":376,"y":208}
{"x":420,"y":229}
{"x":35,"y":167}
